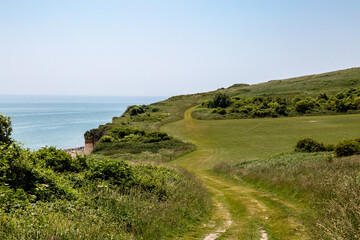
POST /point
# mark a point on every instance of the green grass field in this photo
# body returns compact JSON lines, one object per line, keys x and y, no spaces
{"x":243,"y":139}
{"x":244,"y":212}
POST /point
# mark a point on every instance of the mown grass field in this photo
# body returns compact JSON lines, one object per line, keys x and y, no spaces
{"x":244,"y":212}
{"x":244,"y":139}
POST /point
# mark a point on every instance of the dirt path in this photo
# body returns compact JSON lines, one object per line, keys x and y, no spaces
{"x":240,"y":212}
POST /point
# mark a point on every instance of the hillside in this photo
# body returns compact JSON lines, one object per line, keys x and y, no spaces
{"x":251,"y":207}
{"x":141,"y":180}
{"x":155,"y":115}
{"x":310,"y":85}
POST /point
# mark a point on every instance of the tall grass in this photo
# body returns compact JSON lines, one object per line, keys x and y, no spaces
{"x":107,"y":212}
{"x":94,"y":198}
{"x":329,"y":186}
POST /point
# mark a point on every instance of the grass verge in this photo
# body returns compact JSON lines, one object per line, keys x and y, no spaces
{"x":328,"y":186}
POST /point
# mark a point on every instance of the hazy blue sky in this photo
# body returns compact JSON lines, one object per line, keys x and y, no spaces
{"x":170,"y":47}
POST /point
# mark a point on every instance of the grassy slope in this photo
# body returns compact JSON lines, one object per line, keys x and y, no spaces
{"x":310,"y":85}
{"x":239,"y":140}
{"x":242,"y":211}
{"x":173,"y":109}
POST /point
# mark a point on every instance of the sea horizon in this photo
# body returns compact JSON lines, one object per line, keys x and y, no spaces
{"x":61,"y":121}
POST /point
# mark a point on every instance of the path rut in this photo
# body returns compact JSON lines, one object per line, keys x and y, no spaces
{"x":239,"y":211}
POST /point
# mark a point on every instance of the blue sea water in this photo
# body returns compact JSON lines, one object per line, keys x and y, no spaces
{"x":62,"y":121}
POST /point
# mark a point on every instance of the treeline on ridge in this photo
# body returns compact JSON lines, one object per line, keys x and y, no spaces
{"x":223,"y":106}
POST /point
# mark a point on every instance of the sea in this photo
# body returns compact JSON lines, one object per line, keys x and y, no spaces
{"x":61,"y":121}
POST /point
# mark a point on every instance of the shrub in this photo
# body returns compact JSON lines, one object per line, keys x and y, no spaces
{"x":303,"y":106}
{"x":261,"y":113}
{"x":323,"y":96}
{"x":107,"y":138}
{"x":246,"y":109}
{"x":219,"y":110}
{"x":233,"y":110}
{"x":118,"y":172}
{"x":121,"y":132}
{"x":347,"y":148}
{"x":155,"y":136}
{"x":329,"y":147}
{"x":309,"y":145}
{"x":5,"y":130}
{"x":124,"y":134}
{"x":18,"y":171}
{"x":135,"y":110}
{"x":59,"y":160}
{"x":345,"y":105}
{"x":221,"y":100}
{"x":279,"y":108}
{"x":238,"y":103}
{"x":296,"y":99}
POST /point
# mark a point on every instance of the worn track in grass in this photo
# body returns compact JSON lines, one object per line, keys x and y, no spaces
{"x":240,"y":212}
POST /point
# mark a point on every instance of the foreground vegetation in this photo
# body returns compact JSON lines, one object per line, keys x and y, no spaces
{"x":46,"y":194}
{"x":329,"y":186}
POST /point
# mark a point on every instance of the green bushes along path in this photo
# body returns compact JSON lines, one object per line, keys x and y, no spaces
{"x":47,"y":194}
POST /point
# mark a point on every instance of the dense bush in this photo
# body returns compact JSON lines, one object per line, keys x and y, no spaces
{"x":21,"y":172}
{"x":155,"y":109}
{"x":347,"y":148}
{"x":133,"y":147}
{"x":220,"y":100}
{"x":124,"y":134}
{"x":344,"y":148}
{"x":135,"y":110}
{"x":5,"y":130}
{"x":118,"y":172}
{"x":303,"y":106}
{"x":309,"y":145}
{"x":156,"y":179}
{"x":58,"y":160}
{"x":219,"y":110}
{"x":46,"y":194}
{"x":260,"y":107}
{"x":107,"y":139}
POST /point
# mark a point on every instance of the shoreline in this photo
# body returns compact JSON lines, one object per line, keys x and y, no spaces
{"x":75,"y":151}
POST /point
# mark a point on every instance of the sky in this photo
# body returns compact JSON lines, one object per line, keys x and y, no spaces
{"x":170,"y":47}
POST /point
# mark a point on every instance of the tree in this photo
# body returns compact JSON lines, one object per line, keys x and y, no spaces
{"x":5,"y":130}
{"x":221,"y":100}
{"x":304,"y":105}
